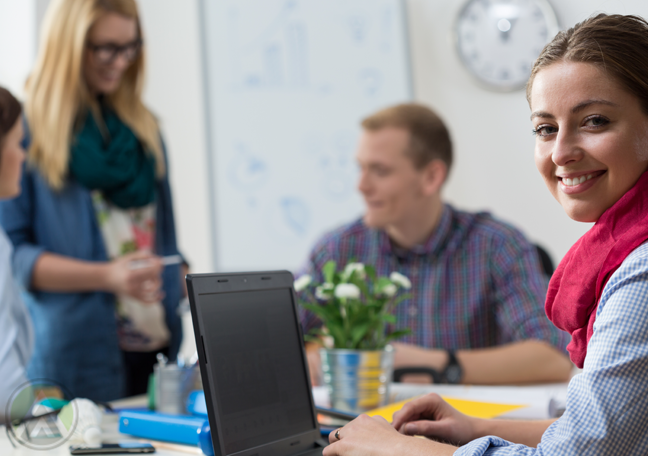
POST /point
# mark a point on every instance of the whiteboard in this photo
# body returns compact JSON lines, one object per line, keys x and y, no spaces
{"x":287,"y":83}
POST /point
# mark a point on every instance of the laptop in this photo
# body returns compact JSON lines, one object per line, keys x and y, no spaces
{"x":253,"y":364}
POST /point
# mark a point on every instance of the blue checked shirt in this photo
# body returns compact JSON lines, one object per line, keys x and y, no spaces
{"x":607,"y":404}
{"x":476,"y":282}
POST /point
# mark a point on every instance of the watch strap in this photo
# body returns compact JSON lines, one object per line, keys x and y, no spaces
{"x":452,"y":373}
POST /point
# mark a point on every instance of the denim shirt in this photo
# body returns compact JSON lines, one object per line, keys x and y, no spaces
{"x":76,"y":333}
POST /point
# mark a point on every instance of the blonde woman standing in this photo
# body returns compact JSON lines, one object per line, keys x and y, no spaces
{"x":95,"y":215}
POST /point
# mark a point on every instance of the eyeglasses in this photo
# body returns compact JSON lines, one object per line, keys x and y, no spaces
{"x":107,"y":53}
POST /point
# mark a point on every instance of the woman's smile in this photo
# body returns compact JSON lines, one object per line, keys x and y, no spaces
{"x":572,"y":183}
{"x":591,"y":137}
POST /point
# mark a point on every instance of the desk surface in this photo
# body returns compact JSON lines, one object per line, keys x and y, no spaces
{"x":537,"y":398}
{"x":110,"y":434}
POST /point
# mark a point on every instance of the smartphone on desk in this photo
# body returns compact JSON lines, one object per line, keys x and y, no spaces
{"x":113,"y":448}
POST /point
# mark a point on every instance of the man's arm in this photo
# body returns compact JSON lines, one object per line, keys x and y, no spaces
{"x":530,"y":361}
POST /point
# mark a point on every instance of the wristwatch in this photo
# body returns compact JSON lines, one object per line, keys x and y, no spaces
{"x":453,"y":372}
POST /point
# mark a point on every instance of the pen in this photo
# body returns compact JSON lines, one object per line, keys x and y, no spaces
{"x":166,"y":261}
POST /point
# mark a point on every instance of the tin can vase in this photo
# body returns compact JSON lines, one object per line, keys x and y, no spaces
{"x":357,"y":380}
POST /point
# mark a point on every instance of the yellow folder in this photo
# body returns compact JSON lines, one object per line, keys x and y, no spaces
{"x":471,"y":408}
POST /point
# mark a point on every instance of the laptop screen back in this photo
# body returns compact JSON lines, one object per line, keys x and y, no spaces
{"x":257,"y":365}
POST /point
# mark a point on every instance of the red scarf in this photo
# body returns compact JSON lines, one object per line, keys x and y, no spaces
{"x":576,"y":287}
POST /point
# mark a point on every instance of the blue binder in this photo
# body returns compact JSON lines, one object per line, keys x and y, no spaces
{"x":161,"y":426}
{"x":196,"y":404}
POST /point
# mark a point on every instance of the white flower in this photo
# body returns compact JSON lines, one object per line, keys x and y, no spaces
{"x":347,"y":290}
{"x":358,"y":268}
{"x":400,"y":279}
{"x":301,"y":283}
{"x":323,"y":292}
{"x":389,"y":290}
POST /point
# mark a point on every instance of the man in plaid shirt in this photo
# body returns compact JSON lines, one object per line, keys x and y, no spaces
{"x":477,"y":306}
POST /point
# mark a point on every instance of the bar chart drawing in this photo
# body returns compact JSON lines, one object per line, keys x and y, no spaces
{"x":276,"y":57}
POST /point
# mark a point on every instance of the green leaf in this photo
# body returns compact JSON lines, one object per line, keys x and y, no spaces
{"x":382,"y":283}
{"x":329,"y":314}
{"x":339,"y":339}
{"x":389,"y":318}
{"x":397,"y":334}
{"x":358,"y":282}
{"x":358,"y":332}
{"x":371,"y":272}
{"x":401,"y":298}
{"x":329,"y":271}
{"x":313,"y":339}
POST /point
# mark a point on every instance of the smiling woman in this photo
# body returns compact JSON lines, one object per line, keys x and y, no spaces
{"x":591,"y":137}
{"x":589,"y":100}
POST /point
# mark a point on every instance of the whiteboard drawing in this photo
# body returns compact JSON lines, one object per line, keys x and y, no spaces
{"x":357,"y":25}
{"x":386,"y":31}
{"x":288,"y":218}
{"x":333,"y":158}
{"x":247,"y":172}
{"x":276,"y":56}
{"x":295,"y":214}
{"x":370,"y":80}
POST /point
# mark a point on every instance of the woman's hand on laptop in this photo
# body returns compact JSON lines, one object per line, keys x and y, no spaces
{"x":376,"y":437}
{"x":432,"y":417}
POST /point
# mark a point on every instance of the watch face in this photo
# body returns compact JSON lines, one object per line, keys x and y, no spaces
{"x":499,"y":40}
{"x":453,"y":374}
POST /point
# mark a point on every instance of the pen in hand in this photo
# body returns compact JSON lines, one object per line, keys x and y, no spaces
{"x":166,"y":261}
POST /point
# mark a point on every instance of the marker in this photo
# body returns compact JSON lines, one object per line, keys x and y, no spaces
{"x":166,"y":261}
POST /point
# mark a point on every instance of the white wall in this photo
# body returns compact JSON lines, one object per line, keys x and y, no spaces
{"x":18,"y":21}
{"x":174,"y":92}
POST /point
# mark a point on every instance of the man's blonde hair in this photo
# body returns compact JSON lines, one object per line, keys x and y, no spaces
{"x":429,"y":137}
{"x":57,"y":93}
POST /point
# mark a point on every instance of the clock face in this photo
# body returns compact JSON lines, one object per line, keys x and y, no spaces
{"x":499,"y":40}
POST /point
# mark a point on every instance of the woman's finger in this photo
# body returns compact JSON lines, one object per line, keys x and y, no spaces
{"x":423,"y":407}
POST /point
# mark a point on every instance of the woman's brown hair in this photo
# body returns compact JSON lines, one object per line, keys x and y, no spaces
{"x":615,"y":43}
{"x":10,"y":110}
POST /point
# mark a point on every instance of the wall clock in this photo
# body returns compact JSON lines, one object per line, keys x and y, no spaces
{"x":499,"y":40}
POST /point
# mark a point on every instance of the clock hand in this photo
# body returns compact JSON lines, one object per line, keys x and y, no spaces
{"x":505,"y":26}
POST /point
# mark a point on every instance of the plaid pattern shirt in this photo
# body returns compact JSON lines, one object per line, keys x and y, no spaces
{"x":476,"y":282}
{"x":607,"y":404}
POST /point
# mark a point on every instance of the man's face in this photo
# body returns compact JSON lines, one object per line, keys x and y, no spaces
{"x":393,"y":189}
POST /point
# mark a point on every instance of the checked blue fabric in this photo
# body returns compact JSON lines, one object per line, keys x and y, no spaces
{"x":607,"y":404}
{"x":476,"y":282}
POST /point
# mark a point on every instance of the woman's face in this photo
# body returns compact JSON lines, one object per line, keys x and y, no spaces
{"x":112,"y":45}
{"x":12,"y":156}
{"x":591,"y":137}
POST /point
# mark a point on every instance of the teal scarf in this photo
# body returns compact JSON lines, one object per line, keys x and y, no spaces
{"x":114,"y":163}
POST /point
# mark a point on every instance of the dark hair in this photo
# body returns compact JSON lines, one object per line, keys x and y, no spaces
{"x":430,"y":138}
{"x":615,"y":43}
{"x":10,"y":110}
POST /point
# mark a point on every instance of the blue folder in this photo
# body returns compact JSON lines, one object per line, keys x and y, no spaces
{"x":161,"y":426}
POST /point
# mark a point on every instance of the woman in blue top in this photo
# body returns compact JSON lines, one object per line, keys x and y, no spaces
{"x":16,"y":332}
{"x":95,"y":215}
{"x":588,"y":94}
